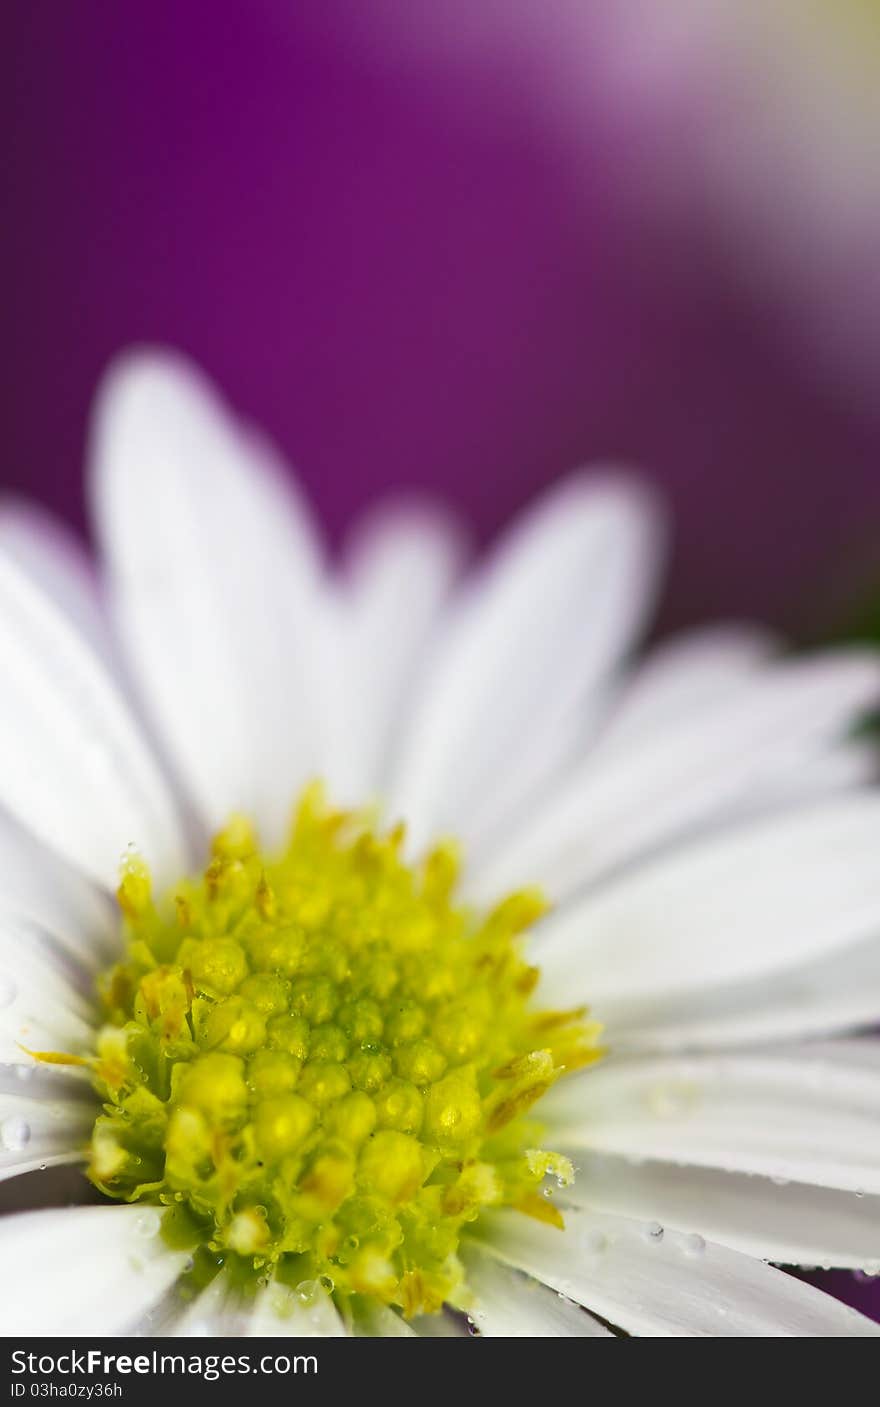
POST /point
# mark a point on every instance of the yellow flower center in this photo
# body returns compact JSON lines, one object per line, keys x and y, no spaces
{"x":323,"y":1066}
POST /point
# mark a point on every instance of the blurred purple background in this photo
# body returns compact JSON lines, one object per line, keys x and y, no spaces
{"x":410,"y":273}
{"x":396,"y":257}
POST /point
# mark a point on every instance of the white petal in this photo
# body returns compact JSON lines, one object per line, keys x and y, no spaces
{"x":212,"y":1314}
{"x":687,"y":674}
{"x":798,"y":1115}
{"x":310,"y":1314}
{"x":845,"y":767}
{"x":45,"y":1002}
{"x":56,"y":561}
{"x":794,"y":1224}
{"x":508,"y":1305}
{"x":694,"y":773}
{"x":377,"y":1321}
{"x":836,"y":993}
{"x":541,"y":629}
{"x":401,"y":566}
{"x":82,"y":1270}
{"x":767,"y":897}
{"x":547,"y":763}
{"x":683,"y":676}
{"x":213,"y":576}
{"x":75,"y":769}
{"x":665,"y":1286}
{"x":36,"y":885}
{"x":858,"y":1052}
{"x":43,"y":1120}
{"x":222,"y":1311}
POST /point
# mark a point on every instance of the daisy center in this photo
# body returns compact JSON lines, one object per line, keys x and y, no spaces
{"x":323,"y":1066}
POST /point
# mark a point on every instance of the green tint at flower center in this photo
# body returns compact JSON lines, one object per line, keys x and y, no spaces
{"x":323,"y":1066}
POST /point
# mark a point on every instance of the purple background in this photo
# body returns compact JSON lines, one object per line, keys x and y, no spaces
{"x":409,"y":277}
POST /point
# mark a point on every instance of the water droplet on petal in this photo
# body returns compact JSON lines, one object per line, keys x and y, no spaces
{"x":307,"y":1291}
{"x":15,"y":1134}
{"x":693,"y":1244}
{"x":148,"y":1224}
{"x":653,"y":1232}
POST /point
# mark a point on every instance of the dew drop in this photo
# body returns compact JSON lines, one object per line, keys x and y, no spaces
{"x":327,"y":1283}
{"x":15,"y":1134}
{"x":860,"y":1192}
{"x":307,"y":1291}
{"x":148,"y":1224}
{"x":779,"y":1181}
{"x":653,"y":1232}
{"x":693,"y":1244}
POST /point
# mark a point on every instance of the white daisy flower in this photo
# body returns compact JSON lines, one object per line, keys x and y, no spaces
{"x":345,"y":1075}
